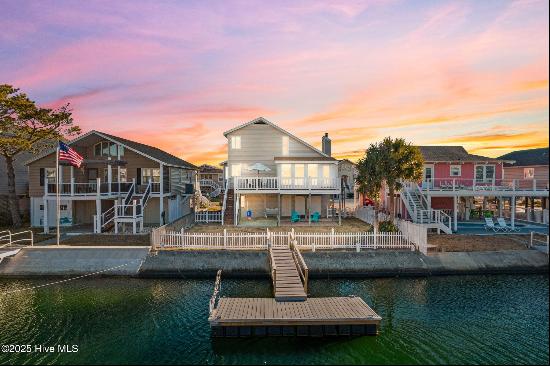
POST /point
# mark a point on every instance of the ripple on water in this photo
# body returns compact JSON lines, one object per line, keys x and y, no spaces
{"x":466,"y":319}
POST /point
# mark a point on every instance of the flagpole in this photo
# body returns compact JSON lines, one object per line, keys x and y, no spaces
{"x":57,"y":190}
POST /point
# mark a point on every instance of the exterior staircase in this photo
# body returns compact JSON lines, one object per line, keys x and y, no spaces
{"x":420,"y":212}
{"x":213,"y":188}
{"x":228,"y":207}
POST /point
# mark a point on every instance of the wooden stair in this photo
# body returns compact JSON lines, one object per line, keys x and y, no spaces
{"x":287,"y":283}
{"x":229,"y":214}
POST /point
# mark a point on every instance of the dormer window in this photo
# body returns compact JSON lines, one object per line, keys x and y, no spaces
{"x":235,"y":142}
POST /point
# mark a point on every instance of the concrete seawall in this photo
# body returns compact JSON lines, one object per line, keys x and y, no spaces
{"x":138,"y":262}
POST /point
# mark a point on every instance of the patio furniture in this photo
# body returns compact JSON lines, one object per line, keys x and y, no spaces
{"x":271,"y":212}
{"x":315,"y":217}
{"x":295,"y":217}
{"x":502,"y":224}
{"x":490,"y":224}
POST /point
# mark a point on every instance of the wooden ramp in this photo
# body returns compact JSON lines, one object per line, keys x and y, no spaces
{"x":287,"y":284}
{"x":328,"y":316}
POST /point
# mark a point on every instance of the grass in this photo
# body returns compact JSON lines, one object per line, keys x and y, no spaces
{"x":348,"y":225}
{"x":477,"y":243}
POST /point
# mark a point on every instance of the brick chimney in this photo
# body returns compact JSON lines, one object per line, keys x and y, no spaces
{"x":325,"y":142}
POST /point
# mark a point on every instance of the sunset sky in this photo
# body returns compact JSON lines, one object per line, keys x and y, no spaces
{"x":176,"y":74}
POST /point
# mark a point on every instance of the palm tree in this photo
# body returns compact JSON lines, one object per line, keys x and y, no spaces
{"x":389,"y":162}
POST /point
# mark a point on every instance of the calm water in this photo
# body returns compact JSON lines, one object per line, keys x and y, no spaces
{"x":467,"y":319}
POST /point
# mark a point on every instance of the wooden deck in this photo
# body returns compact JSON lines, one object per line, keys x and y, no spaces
{"x":287,"y":284}
{"x":329,"y":316}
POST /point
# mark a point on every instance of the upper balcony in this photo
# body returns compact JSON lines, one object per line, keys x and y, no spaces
{"x":469,"y":187}
{"x":96,"y":189}
{"x":287,"y":185}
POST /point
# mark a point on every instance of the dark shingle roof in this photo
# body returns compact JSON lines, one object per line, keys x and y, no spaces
{"x":450,"y":153}
{"x":527,"y":157}
{"x":153,"y":152}
{"x":205,"y":168}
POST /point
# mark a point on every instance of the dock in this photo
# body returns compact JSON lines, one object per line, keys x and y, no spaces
{"x":290,"y":312}
{"x":325,"y":316}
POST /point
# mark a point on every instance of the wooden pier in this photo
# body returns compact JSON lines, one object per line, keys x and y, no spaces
{"x":290,"y":312}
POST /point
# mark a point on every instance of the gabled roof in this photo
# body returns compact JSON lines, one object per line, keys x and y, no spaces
{"x":527,"y":157}
{"x":452,"y":153}
{"x":262,"y":120}
{"x":142,"y":149}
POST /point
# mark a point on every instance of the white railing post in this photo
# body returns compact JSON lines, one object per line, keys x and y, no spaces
{"x":331,"y":238}
{"x":95,"y":224}
{"x":531,"y":240}
{"x":375,"y":231}
{"x":45,"y":186}
{"x":224,"y":238}
{"x":134,"y":209}
{"x":72,"y":185}
{"x":534,"y":184}
{"x":454,"y":184}
{"x":98,"y":187}
{"x":513,"y":184}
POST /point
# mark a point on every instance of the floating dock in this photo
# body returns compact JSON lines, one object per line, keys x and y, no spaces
{"x":325,"y":316}
{"x":290,"y":312}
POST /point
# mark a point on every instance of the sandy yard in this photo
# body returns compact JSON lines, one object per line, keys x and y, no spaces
{"x":476,"y":243}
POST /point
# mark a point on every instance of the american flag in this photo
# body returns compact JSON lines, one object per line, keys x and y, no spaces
{"x":69,"y":155}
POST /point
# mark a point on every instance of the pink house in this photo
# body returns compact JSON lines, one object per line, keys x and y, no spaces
{"x":455,"y":182}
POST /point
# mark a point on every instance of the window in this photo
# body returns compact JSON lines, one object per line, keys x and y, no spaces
{"x":236,"y":142}
{"x":236,"y":170}
{"x":312,"y":173}
{"x":63,"y":207}
{"x":485,"y":173}
{"x":326,"y":171}
{"x":528,"y":173}
{"x":106,"y":148}
{"x":456,"y":171}
{"x":150,"y":175}
{"x":286,"y":170}
{"x":49,"y":173}
{"x":285,"y":145}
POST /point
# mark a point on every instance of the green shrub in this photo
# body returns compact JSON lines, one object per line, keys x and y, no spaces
{"x":387,"y":227}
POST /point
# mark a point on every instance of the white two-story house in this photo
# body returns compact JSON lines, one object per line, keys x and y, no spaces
{"x":274,"y":174}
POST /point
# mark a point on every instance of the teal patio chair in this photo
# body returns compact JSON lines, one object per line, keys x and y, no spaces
{"x":315,"y":217}
{"x":295,"y":217}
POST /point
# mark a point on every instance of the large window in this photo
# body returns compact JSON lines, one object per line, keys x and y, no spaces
{"x":235,"y":142}
{"x":107,"y":148}
{"x":299,"y":174}
{"x":528,"y":173}
{"x":286,"y":144}
{"x":485,"y":173}
{"x":313,"y":173}
{"x":150,"y":175}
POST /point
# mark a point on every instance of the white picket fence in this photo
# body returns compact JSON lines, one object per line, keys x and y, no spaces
{"x":165,"y":239}
{"x":208,"y":216}
{"x":411,"y":232}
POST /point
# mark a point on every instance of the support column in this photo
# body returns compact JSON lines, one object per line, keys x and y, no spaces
{"x":279,"y":209}
{"x":513,"y":212}
{"x":500,"y":203}
{"x":109,"y":176}
{"x":309,"y":208}
{"x":161,"y":194}
{"x":455,"y":212}
{"x":98,"y":214}
{"x":45,"y":218}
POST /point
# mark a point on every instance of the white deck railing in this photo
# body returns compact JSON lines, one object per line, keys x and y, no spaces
{"x":165,"y":239}
{"x":460,"y":184}
{"x":281,"y":184}
{"x":208,"y":216}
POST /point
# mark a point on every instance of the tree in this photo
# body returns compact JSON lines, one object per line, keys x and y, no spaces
{"x":391,"y":162}
{"x":26,"y":127}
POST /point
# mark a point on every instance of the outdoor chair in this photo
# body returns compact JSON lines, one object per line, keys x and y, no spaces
{"x":502,"y":224}
{"x":490,"y":224}
{"x":295,"y":217}
{"x":315,"y":217}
